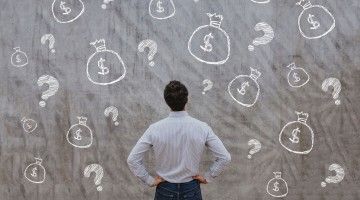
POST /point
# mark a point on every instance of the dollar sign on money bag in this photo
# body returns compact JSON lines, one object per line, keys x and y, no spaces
{"x":297,"y":76}
{"x":244,"y":89}
{"x":210,"y":43}
{"x":297,"y":137}
{"x":104,"y":67}
{"x":161,"y":9}
{"x":35,"y":172}
{"x":277,"y":186}
{"x":314,"y":21}
{"x":29,"y":125}
{"x":80,"y":135}
{"x":66,"y":11}
{"x":19,"y":58}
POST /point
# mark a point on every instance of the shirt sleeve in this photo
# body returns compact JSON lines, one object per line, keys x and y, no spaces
{"x":136,"y":159}
{"x":218,"y":150}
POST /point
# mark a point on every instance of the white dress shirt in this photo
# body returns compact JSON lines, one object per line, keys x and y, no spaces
{"x":178,"y":142}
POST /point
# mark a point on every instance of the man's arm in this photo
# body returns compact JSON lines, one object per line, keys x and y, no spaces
{"x":136,"y":159}
{"x":218,"y":150}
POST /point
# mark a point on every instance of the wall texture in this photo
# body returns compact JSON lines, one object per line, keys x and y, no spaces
{"x":138,"y":96}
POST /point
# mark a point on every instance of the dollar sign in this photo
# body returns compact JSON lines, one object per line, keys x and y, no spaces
{"x":18,"y":59}
{"x":160,"y":9}
{"x":66,"y":10}
{"x":104,"y":70}
{"x":33,"y":172}
{"x":276,"y":186}
{"x":297,"y":79}
{"x":315,"y":24}
{"x":242,"y":91}
{"x":208,"y":46}
{"x":295,"y":138}
{"x":28,"y":125}
{"x":77,"y":134}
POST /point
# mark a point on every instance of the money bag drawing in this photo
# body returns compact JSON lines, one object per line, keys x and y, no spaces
{"x":80,"y":135}
{"x":29,"y":125}
{"x":210,"y":43}
{"x":297,"y":137}
{"x":297,"y":76}
{"x":66,"y":11}
{"x":35,"y":172}
{"x":19,"y":58}
{"x":162,"y":9}
{"x":244,"y":89}
{"x":314,"y":21}
{"x":104,"y":67}
{"x":277,"y":186}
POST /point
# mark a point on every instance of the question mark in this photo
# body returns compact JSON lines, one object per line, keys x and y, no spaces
{"x":115,"y":113}
{"x":103,"y":6}
{"x":255,"y":149}
{"x":152,"y":49}
{"x":335,"y":83}
{"x":340,"y":174}
{"x":53,"y":87}
{"x":209,"y":85}
{"x":51,"y":39}
{"x":99,"y":173}
{"x":266,"y":38}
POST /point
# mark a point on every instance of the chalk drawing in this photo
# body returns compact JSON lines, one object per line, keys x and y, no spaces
{"x":66,"y":11}
{"x":256,"y":147}
{"x":209,"y":84}
{"x":337,"y":178}
{"x":210,"y":44}
{"x":314,"y":21}
{"x":297,"y":137}
{"x":244,"y":89}
{"x":277,"y":186}
{"x":80,"y":135}
{"x":335,"y":83}
{"x":53,"y":87}
{"x":297,"y":76}
{"x":152,"y":49}
{"x":19,"y":58}
{"x":29,"y":125}
{"x":104,"y":67}
{"x":51,"y":39}
{"x":99,"y":173}
{"x":266,"y":38}
{"x":260,"y":1}
{"x":162,"y":9}
{"x":103,"y":6}
{"x":114,"y":111}
{"x":35,"y":172}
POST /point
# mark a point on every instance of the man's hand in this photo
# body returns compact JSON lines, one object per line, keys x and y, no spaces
{"x":200,"y":178}
{"x":158,"y":180}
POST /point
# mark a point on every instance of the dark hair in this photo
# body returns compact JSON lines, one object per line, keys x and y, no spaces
{"x":176,"y":95}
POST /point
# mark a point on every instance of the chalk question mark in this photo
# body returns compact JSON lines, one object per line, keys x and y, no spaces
{"x":209,"y":84}
{"x":103,"y":6}
{"x":335,"y":83}
{"x":115,"y":113}
{"x":340,"y":174}
{"x":152,"y":49}
{"x":256,"y":147}
{"x":51,"y":39}
{"x":53,"y":87}
{"x":99,"y":173}
{"x":266,"y":38}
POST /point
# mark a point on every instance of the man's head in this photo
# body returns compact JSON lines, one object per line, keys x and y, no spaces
{"x":176,"y":95}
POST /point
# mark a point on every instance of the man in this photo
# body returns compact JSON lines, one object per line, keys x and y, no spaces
{"x":178,"y":142}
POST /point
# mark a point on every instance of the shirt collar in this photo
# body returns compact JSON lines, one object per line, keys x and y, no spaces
{"x":178,"y":114}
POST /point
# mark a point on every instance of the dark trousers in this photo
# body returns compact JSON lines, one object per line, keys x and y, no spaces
{"x":178,"y":191}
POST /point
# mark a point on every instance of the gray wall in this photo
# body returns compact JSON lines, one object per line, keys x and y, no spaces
{"x":138,"y":97}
